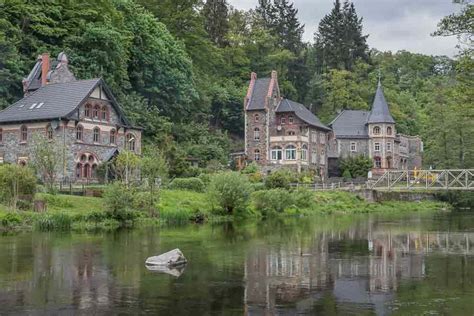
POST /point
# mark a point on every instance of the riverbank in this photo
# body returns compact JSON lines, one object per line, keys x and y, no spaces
{"x":178,"y":207}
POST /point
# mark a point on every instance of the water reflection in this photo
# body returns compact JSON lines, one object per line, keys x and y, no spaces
{"x":337,"y":265}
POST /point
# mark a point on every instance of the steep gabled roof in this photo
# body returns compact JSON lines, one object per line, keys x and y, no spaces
{"x":259,"y":94}
{"x":55,"y":101}
{"x":380,"y":112}
{"x":350,"y":124}
{"x":301,"y":112}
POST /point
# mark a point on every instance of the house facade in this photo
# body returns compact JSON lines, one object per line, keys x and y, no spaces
{"x":81,"y":117}
{"x":280,"y":132}
{"x":373,"y":134}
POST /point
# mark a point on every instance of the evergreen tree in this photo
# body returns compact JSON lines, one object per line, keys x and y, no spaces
{"x":216,"y":20}
{"x":287,"y":27}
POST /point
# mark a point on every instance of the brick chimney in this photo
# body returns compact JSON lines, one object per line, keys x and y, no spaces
{"x":274,"y":75}
{"x":44,"y":68}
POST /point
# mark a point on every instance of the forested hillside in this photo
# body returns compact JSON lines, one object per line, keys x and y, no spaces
{"x":180,"y":68}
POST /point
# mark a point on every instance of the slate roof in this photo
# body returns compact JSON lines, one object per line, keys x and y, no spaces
{"x":350,"y":124}
{"x":380,"y":112}
{"x":259,"y":94}
{"x":55,"y":101}
{"x":301,"y":112}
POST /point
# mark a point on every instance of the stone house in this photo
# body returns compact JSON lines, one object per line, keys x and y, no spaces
{"x":280,"y":132}
{"x":80,"y":116}
{"x":373,"y":134}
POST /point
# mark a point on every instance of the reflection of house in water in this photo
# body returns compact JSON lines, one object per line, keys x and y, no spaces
{"x":359,"y":271}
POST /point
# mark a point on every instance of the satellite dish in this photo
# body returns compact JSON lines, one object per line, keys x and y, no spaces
{"x":55,"y":124}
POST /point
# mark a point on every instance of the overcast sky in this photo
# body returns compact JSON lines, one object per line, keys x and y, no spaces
{"x":391,"y":24}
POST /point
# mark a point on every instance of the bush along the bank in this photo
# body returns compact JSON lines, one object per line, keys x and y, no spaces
{"x":119,"y":201}
{"x":230,"y":191}
{"x":271,"y":201}
{"x":281,"y":179}
{"x":17,"y":186}
{"x":189,"y":184}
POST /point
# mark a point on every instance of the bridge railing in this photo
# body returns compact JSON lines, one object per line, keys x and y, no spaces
{"x":446,"y":179}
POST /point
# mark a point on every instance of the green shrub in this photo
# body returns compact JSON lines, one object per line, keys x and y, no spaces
{"x":55,"y":221}
{"x":96,"y":216}
{"x":205,"y":178}
{"x":357,"y":166}
{"x":251,"y":168}
{"x":230,"y":190}
{"x":119,"y":201}
{"x":272,"y":201}
{"x":346,"y":174}
{"x":10,"y":220}
{"x":303,"y":198}
{"x":189,"y":184}
{"x":16,"y":182}
{"x":281,"y":178}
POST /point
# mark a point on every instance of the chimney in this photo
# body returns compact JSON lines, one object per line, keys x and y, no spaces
{"x":274,"y":75}
{"x":44,"y":68}
{"x":253,"y":76}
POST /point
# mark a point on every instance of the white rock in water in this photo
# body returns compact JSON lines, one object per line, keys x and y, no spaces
{"x":171,"y":258}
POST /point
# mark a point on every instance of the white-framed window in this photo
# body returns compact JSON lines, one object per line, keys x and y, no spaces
{"x":282,"y":120}
{"x":290,"y":119}
{"x":96,"y":135}
{"x":376,"y":146}
{"x":353,"y":147}
{"x":322,"y":157}
{"x":79,"y":132}
{"x":389,"y":146}
{"x":378,"y":162}
{"x":290,"y":152}
{"x":24,"y":134}
{"x":130,"y":142}
{"x":256,"y":134}
{"x":256,"y":153}
{"x":314,"y":137}
{"x":304,"y":152}
{"x":377,"y":130}
{"x":322,"y":138}
{"x":277,"y":153}
{"x":314,"y":157}
{"x":389,"y":130}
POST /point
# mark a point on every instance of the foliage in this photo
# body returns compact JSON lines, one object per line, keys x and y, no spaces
{"x":190,"y":184}
{"x":155,"y":170}
{"x":119,"y":201}
{"x":55,"y":221}
{"x":126,"y":166}
{"x":281,"y":178}
{"x":47,"y":157}
{"x":230,"y":191}
{"x":271,"y":201}
{"x":10,"y":220}
{"x":16,"y":182}
{"x":353,"y":167}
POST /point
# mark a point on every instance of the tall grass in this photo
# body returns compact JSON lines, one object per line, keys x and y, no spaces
{"x":54,"y":221}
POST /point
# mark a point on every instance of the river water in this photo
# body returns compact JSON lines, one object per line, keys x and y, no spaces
{"x":340,"y":265}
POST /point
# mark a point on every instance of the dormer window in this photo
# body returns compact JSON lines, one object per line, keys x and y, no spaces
{"x":130,"y":142}
{"x":104,"y":113}
{"x":376,"y":130}
{"x":290,"y":119}
{"x":88,"y":110}
{"x":282,"y":120}
{"x":95,"y":112}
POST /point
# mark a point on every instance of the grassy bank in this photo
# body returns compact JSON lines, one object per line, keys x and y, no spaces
{"x":66,"y":212}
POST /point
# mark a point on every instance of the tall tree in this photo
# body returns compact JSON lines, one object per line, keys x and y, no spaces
{"x":216,"y":20}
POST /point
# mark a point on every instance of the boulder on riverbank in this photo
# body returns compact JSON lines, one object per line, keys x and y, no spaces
{"x":171,"y":258}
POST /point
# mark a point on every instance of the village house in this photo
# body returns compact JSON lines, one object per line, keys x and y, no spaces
{"x":373,"y":134}
{"x":280,"y":132}
{"x":81,"y":116}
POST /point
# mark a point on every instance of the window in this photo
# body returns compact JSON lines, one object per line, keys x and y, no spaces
{"x":376,"y":146}
{"x":376,"y":130}
{"x":78,"y":171}
{"x":290,"y":152}
{"x":88,"y":111}
{"x":1,"y":135}
{"x":277,"y":153}
{"x":378,"y":162}
{"x":389,"y":130}
{"x":86,"y":171}
{"x":104,"y":113}
{"x":314,"y":137}
{"x":353,"y":147}
{"x":256,"y":155}
{"x":49,"y":132}
{"x":389,"y":146}
{"x":322,"y":138}
{"x":130,"y":142}
{"x":314,"y":157}
{"x":282,"y":120}
{"x":79,"y":132}
{"x":95,"y":112}
{"x":24,"y":133}
{"x":96,"y":135}
{"x":256,"y":134}
{"x":256,"y":118}
{"x":291,"y":133}
{"x":112,"y":136}
{"x":322,"y":158}
{"x":290,"y":119}
{"x":304,"y":152}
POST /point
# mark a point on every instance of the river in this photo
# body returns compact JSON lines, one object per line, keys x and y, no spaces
{"x":333,"y":265}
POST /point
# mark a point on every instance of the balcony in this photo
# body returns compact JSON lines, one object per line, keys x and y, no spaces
{"x":289,"y":138}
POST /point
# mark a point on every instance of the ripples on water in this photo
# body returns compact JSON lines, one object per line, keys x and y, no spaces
{"x":398,"y":264}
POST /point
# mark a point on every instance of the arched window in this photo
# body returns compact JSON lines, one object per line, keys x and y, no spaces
{"x":88,"y":110}
{"x":79,"y":132}
{"x":290,"y":119}
{"x":277,"y":153}
{"x":78,"y":171}
{"x":256,"y":134}
{"x":256,"y":118}
{"x":87,"y":171}
{"x":304,"y":152}
{"x":112,"y":136}
{"x":389,"y":130}
{"x":95,"y":112}
{"x":256,"y":154}
{"x":290,"y":152}
{"x":104,"y":113}
{"x":377,"y":162}
{"x":291,"y":133}
{"x":1,"y":135}
{"x":49,"y":132}
{"x":96,"y":135}
{"x":24,"y":133}
{"x":376,"y":130}
{"x":130,"y":142}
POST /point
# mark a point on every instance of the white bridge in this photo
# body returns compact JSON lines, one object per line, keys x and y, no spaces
{"x":448,"y":179}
